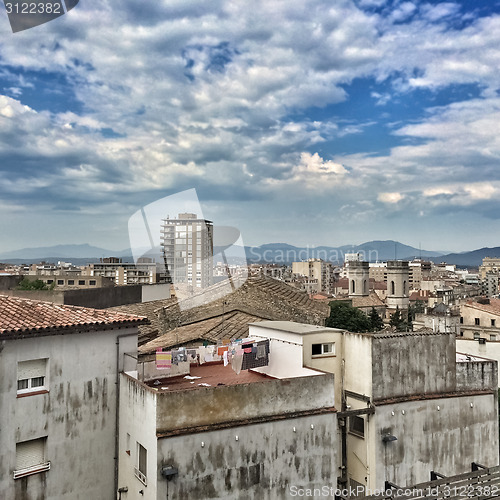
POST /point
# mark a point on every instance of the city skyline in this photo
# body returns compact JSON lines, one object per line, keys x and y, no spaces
{"x":298,"y":122}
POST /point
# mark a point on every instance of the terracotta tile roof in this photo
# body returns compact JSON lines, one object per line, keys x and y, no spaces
{"x":420,"y":295}
{"x":232,"y":325}
{"x":492,"y":308}
{"x":149,"y":309}
{"x":372,"y":300}
{"x":20,"y":316}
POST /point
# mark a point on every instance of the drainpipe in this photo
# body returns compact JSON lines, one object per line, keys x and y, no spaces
{"x":117,"y":416}
{"x":344,"y":421}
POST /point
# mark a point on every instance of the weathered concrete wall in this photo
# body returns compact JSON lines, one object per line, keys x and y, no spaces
{"x":490,"y":350}
{"x":358,"y":363}
{"x":214,"y":405}
{"x":98,"y":298}
{"x":55,"y":296}
{"x":156,"y":291}
{"x":263,"y":464}
{"x":446,"y":440}
{"x":77,"y":415}
{"x":137,"y":425}
{"x":477,"y":376}
{"x":415,"y":363}
{"x":148,"y":371}
{"x":8,"y":282}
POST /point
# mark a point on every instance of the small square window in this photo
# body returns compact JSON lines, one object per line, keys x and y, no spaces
{"x":31,"y":376}
{"x":319,"y":349}
{"x":92,"y":282}
{"x":142,"y":464}
{"x":81,"y":282}
{"x":31,"y":458}
{"x":71,"y":282}
{"x":60,"y":282}
{"x":357,"y":426}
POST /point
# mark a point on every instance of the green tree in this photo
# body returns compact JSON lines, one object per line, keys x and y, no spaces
{"x":27,"y":284}
{"x":375,"y":320}
{"x":343,"y":315}
{"x":397,"y":321}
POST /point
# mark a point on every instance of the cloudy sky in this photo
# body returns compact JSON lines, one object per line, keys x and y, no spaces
{"x":311,"y":122}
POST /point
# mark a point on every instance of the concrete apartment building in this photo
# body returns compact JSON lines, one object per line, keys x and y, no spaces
{"x":407,"y":403}
{"x":145,"y":271}
{"x":187,"y":248}
{"x":480,"y":319}
{"x":440,"y":318}
{"x":320,"y":275}
{"x":226,"y":436}
{"x":58,"y":398}
{"x":489,"y":265}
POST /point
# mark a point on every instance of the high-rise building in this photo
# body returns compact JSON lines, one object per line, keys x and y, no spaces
{"x":321,"y":275}
{"x":187,"y":248}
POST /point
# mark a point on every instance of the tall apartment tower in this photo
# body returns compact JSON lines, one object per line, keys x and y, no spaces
{"x":187,"y":248}
{"x":320,"y":274}
{"x":358,"y":273}
{"x":398,"y":278}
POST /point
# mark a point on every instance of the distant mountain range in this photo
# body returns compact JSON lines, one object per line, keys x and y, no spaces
{"x":371,"y":251}
{"x":77,"y":254}
{"x":280,"y":253}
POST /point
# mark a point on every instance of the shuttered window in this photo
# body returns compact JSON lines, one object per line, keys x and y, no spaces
{"x":31,"y":375}
{"x":142,"y":463}
{"x":31,"y":457}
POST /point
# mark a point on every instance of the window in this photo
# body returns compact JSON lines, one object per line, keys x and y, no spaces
{"x":476,"y":335}
{"x":357,"y":426}
{"x":81,"y":282}
{"x":476,"y":321}
{"x":493,"y":337}
{"x":492,"y":322}
{"x":49,"y":282}
{"x":461,"y":320}
{"x":31,"y":458}
{"x":92,"y":282}
{"x":142,"y":463}
{"x":71,"y":282}
{"x":461,"y":333}
{"x":393,"y":288}
{"x":319,"y":349}
{"x":60,"y":282}
{"x":32,"y":376}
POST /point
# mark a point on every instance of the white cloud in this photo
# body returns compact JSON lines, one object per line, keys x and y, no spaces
{"x":202,"y":94}
{"x":390,"y":198}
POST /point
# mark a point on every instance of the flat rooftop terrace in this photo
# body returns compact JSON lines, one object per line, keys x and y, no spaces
{"x":207,"y":375}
